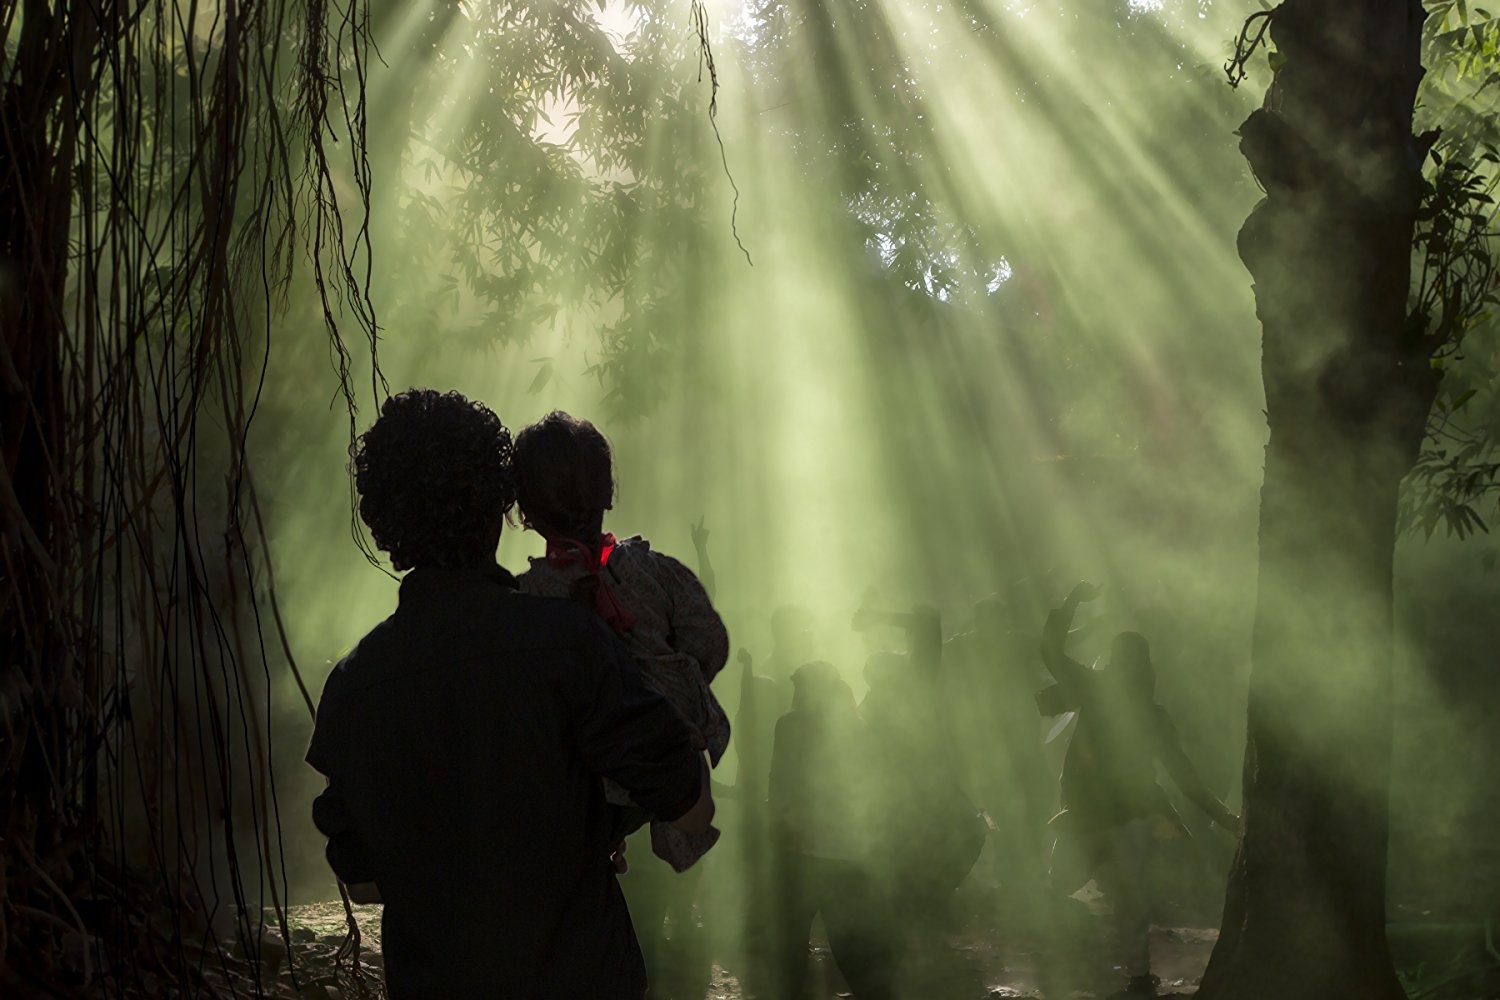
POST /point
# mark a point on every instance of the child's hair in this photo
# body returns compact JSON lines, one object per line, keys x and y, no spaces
{"x":564,"y":477}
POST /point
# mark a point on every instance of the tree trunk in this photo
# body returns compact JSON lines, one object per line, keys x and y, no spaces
{"x":1348,"y":390}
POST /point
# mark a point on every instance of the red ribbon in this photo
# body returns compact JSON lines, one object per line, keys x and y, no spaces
{"x":563,"y":552}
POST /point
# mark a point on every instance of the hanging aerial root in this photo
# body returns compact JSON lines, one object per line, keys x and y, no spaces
{"x":1251,"y":37}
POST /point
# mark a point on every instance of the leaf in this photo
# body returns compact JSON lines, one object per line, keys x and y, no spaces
{"x":543,"y":376}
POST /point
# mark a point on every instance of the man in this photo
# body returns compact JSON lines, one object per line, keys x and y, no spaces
{"x":1113,"y":809}
{"x":465,"y":737}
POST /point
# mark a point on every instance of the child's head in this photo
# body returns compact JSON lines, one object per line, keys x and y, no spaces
{"x":564,"y":477}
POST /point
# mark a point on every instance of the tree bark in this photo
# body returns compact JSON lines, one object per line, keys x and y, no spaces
{"x":1348,"y":390}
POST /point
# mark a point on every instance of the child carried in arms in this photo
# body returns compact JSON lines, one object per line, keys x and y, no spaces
{"x":663,"y":614}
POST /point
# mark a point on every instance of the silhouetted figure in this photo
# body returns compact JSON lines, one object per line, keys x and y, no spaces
{"x":931,"y":832}
{"x":1113,"y":809}
{"x":764,"y":699}
{"x":766,"y":696}
{"x":821,"y":803}
{"x":464,"y":739}
{"x":992,"y":673}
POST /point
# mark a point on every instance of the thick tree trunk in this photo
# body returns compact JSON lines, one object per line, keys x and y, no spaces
{"x":1347,"y":396}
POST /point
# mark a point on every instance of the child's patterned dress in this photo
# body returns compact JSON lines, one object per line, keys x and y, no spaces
{"x":679,"y":642}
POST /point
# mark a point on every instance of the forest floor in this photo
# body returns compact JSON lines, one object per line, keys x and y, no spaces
{"x":976,"y":965}
{"x":1437,"y":961}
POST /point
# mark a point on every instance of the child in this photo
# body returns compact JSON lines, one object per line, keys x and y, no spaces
{"x":565,"y":483}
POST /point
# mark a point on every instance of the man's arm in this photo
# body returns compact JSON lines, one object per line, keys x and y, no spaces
{"x":1068,"y":672}
{"x":345,"y":851}
{"x":630,"y":734}
{"x":700,"y":815}
{"x":1186,"y":776}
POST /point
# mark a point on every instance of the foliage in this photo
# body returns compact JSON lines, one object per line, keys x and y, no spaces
{"x":553,"y":167}
{"x":1457,"y":476}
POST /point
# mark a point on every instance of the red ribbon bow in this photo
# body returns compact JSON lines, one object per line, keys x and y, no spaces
{"x":562,"y":552}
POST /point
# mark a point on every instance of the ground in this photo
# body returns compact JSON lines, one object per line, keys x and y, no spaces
{"x":972,"y":966}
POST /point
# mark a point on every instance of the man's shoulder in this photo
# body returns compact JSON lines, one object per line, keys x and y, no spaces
{"x":505,"y":624}
{"x":358,"y":661}
{"x":555,"y":632}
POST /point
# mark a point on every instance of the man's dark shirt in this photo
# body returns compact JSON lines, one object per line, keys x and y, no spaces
{"x":464,"y":739}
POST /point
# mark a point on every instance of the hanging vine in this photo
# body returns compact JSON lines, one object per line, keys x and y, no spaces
{"x":163,"y":166}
